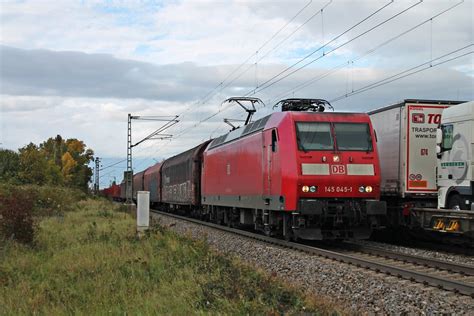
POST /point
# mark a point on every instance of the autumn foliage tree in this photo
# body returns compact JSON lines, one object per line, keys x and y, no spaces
{"x":55,"y":161}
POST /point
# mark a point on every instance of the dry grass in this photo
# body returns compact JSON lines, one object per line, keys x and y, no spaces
{"x":89,"y":262}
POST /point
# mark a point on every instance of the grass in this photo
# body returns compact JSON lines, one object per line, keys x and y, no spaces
{"x":88,"y":261}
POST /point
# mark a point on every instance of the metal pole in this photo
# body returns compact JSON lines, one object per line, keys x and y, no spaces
{"x":129,"y":173}
{"x":97,"y":178}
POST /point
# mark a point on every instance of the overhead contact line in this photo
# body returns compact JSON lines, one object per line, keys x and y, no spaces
{"x":368,"y":52}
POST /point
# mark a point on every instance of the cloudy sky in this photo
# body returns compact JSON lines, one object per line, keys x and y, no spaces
{"x":76,"y":68}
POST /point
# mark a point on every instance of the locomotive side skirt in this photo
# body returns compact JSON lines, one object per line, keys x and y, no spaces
{"x":275,"y":202}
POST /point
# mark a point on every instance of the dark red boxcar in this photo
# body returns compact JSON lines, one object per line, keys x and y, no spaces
{"x":152,"y":182}
{"x":181,"y":177}
{"x":122,"y":190}
{"x":113,"y":192}
{"x":137,"y":183}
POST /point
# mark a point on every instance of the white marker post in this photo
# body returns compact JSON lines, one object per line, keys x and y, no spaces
{"x":143,"y":212}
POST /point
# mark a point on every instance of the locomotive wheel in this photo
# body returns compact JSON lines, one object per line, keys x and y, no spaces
{"x":229,"y":223}
{"x":287,"y":230}
{"x":267,"y":231}
{"x":289,"y":235}
{"x":455,"y":202}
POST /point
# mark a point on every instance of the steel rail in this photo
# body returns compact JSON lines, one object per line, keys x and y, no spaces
{"x":420,"y":277}
{"x":418,"y":260}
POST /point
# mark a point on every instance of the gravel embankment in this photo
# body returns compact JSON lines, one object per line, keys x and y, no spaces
{"x":440,"y":255}
{"x":360,"y":290}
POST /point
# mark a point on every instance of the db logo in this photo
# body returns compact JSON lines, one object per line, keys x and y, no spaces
{"x":338,"y":169}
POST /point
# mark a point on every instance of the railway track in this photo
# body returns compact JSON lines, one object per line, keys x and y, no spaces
{"x":444,"y":275}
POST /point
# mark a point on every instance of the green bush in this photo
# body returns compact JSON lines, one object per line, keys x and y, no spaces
{"x":52,"y":200}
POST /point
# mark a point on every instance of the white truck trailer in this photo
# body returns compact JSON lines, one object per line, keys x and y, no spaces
{"x":406,"y":139}
{"x":455,"y":152}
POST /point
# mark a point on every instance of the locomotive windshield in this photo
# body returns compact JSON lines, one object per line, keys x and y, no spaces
{"x":314,"y":136}
{"x":318,"y":136}
{"x":353,"y":136}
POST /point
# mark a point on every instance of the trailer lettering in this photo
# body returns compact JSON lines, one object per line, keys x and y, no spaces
{"x":434,"y":118}
{"x":424,"y":151}
{"x":424,"y":129}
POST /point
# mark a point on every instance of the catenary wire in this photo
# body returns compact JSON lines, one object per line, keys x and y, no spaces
{"x":368,"y":52}
{"x":429,"y":64}
{"x":263,"y":87}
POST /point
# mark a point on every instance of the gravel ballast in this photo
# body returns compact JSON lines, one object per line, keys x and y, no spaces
{"x":357,"y":289}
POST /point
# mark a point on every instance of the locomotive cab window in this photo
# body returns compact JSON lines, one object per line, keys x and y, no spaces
{"x":314,"y":136}
{"x":353,"y":136}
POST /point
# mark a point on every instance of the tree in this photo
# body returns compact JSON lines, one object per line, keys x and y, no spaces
{"x":54,"y":148}
{"x":33,"y":165}
{"x":69,"y":165}
{"x":9,"y":165}
{"x":56,"y":161}
{"x":81,"y":172}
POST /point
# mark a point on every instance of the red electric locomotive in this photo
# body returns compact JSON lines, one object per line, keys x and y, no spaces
{"x":299,"y":173}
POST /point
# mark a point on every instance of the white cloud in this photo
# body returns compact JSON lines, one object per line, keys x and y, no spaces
{"x":78,"y":68}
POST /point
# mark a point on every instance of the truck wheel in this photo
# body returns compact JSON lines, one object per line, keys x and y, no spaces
{"x":455,"y":202}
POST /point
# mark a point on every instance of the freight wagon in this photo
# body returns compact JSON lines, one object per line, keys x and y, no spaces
{"x":181,"y":179}
{"x":137,"y":184}
{"x":112,"y":192}
{"x":152,"y":183}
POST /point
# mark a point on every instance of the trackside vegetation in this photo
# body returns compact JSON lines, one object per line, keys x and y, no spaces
{"x":87,"y":260}
{"x":56,"y":161}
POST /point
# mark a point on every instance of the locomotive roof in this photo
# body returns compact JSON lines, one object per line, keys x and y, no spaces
{"x":260,"y":125}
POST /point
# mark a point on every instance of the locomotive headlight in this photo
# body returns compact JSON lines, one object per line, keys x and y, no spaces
{"x":335,"y":158}
{"x":312,"y":189}
{"x":305,"y":188}
{"x":361,"y":189}
{"x":368,"y":189}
